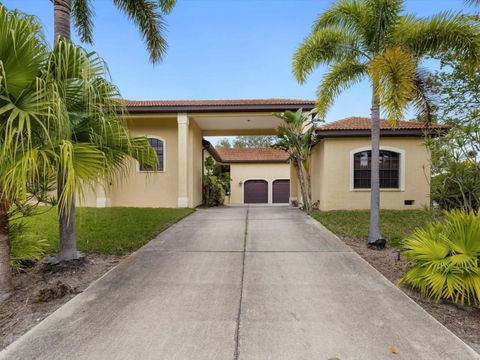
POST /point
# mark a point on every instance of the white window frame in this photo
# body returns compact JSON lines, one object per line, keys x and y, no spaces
{"x":401,"y":179}
{"x":164,"y":156}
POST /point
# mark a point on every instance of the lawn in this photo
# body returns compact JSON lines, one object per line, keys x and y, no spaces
{"x":113,"y":231}
{"x":395,"y":225}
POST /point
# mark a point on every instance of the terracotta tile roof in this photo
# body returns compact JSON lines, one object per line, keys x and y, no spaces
{"x":172,"y":106}
{"x":169,"y":103}
{"x":252,"y":155}
{"x":364,"y":123}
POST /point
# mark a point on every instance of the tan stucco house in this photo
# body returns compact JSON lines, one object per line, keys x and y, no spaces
{"x":258,"y":176}
{"x":340,"y":163}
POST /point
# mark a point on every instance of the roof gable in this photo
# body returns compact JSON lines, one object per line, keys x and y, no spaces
{"x":360,"y":126}
{"x":166,"y":106}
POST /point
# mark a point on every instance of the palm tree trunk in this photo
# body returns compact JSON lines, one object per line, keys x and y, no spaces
{"x":375,"y":239}
{"x":61,"y":11}
{"x":303,"y":186}
{"x":66,"y":217}
{"x":66,"y":222}
{"x":6,"y":284}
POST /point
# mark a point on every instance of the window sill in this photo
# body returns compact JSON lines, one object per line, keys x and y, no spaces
{"x":150,"y":172}
{"x":381,"y":190}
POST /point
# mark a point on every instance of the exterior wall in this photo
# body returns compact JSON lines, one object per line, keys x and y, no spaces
{"x":250,"y":171}
{"x":150,"y":189}
{"x":317,"y":171}
{"x":195,"y":165}
{"x":331,"y":176}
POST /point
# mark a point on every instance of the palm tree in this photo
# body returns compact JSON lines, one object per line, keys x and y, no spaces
{"x":148,"y":15}
{"x":375,"y":39}
{"x":27,"y":121}
{"x":95,"y":145}
{"x":296,"y":136}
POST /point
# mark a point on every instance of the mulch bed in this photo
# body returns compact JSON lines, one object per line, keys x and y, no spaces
{"x":41,"y":289}
{"x":462,"y":320}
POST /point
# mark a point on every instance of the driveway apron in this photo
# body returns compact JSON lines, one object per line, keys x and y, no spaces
{"x":241,"y":283}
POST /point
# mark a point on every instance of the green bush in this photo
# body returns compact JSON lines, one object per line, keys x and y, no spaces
{"x":216,"y":184}
{"x":24,"y":247}
{"x":444,"y":258}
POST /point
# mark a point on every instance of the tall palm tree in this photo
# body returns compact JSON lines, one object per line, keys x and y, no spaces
{"x":28,"y":123}
{"x":95,"y":145}
{"x":376,"y":39}
{"x":148,"y":16}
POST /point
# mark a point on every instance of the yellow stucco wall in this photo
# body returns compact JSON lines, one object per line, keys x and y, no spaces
{"x":195,"y":164}
{"x":241,"y":172}
{"x":331,"y":175}
{"x":150,"y":189}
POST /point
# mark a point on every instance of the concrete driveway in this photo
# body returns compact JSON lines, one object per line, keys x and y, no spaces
{"x":241,"y":283}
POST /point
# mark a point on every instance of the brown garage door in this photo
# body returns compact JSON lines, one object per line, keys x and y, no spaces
{"x":281,"y":191}
{"x":255,"y":192}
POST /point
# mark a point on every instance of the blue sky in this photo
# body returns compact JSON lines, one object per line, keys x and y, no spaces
{"x":220,"y":49}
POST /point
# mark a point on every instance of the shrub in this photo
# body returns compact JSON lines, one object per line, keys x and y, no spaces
{"x":444,"y":258}
{"x":216,"y":184}
{"x":24,"y":248}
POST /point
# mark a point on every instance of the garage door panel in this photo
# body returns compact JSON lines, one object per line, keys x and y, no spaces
{"x":281,"y":191}
{"x":255,"y":192}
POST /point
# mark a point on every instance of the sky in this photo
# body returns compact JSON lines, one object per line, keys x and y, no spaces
{"x":220,"y":49}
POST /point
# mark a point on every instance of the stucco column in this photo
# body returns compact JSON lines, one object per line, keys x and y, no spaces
{"x":182,"y":121}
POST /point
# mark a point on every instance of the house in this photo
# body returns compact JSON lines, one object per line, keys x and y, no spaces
{"x":341,"y":165}
{"x":175,"y":129}
{"x":339,"y":170}
{"x":258,"y":176}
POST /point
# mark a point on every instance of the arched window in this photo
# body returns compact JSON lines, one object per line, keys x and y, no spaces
{"x":158,"y":146}
{"x":389,"y":169}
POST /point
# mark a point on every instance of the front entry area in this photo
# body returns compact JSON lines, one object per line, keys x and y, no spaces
{"x":255,"y":192}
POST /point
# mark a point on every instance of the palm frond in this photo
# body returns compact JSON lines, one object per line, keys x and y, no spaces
{"x":167,"y":5}
{"x":423,"y":99}
{"x":148,"y":16}
{"x":439,"y":35}
{"x":346,"y":15}
{"x":324,"y":47}
{"x":82,"y":15}
{"x":338,"y":78}
{"x":393,"y":75}
{"x":443,"y":258}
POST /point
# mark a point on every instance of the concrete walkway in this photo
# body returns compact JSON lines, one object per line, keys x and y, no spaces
{"x":241,"y":283}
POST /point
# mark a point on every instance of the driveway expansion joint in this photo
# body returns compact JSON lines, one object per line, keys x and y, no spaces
{"x":236,"y":352}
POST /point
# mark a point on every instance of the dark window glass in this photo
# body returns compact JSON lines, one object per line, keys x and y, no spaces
{"x":389,"y":169}
{"x":158,"y":147}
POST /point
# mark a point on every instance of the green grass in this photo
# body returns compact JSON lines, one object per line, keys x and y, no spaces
{"x":395,"y":225}
{"x":114,"y":231}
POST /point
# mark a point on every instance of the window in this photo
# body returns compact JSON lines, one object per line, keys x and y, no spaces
{"x":158,"y":146}
{"x":389,"y":169}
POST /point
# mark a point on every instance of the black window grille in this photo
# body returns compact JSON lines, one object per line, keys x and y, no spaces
{"x":389,"y":169}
